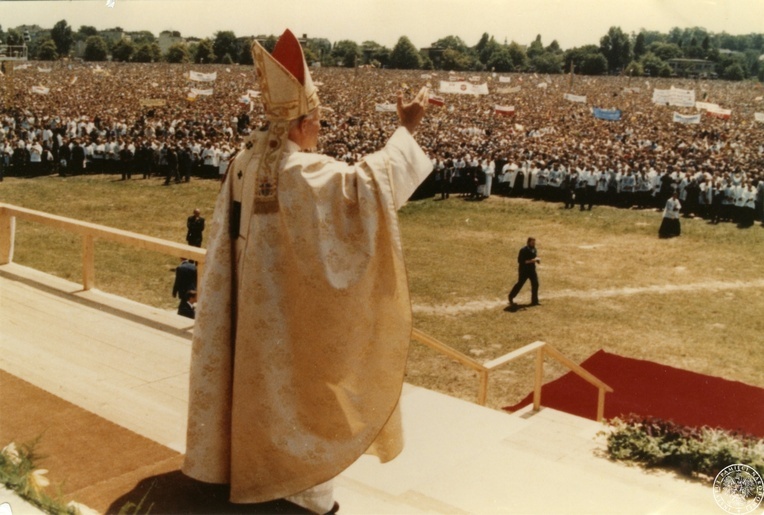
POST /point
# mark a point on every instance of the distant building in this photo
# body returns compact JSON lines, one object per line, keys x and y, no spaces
{"x":168,"y":38}
{"x":112,"y":36}
{"x":692,"y":67}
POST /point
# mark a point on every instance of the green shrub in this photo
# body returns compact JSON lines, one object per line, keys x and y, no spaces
{"x":658,"y":443}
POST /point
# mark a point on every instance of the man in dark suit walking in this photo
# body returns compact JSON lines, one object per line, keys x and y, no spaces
{"x":195,"y":225}
{"x":526,"y":269}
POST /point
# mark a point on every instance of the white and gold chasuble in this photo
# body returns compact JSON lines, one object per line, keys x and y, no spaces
{"x":303,"y":326}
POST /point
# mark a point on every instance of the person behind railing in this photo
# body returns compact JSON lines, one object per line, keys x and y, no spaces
{"x":187,"y":307}
{"x":185,"y":280}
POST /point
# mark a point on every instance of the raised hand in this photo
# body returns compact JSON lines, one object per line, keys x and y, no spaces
{"x":410,"y":114}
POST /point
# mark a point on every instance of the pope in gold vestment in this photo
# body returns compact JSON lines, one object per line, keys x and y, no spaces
{"x":303,"y":325}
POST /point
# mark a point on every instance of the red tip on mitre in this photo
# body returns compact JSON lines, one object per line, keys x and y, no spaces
{"x":288,"y":53}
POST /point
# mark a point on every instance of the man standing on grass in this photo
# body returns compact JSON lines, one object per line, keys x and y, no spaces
{"x":195,"y":226}
{"x":304,"y":320}
{"x":526,"y":269}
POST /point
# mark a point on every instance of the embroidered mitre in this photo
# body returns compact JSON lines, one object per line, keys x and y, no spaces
{"x":288,"y":93}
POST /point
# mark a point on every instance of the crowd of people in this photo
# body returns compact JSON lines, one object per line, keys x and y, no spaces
{"x":145,"y":120}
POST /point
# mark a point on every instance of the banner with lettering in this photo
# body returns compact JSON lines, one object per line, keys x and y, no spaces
{"x":575,"y":98}
{"x":202,"y":77}
{"x":505,"y":79}
{"x":675,"y":97}
{"x":201,"y":92}
{"x":612,"y":115}
{"x":684,"y":118}
{"x":463,"y":88}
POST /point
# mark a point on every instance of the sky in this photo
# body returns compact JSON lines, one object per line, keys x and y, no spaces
{"x":571,"y":22}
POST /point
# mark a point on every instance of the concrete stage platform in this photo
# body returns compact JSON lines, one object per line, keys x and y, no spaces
{"x":128,"y":363}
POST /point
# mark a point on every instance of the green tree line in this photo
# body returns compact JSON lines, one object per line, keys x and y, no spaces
{"x":734,"y":57}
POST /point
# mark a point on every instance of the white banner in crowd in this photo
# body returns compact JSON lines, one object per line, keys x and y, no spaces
{"x":202,"y":77}
{"x":40,"y":90}
{"x":463,"y":88}
{"x":675,"y":97}
{"x":759,"y":117}
{"x":684,"y":118}
{"x":505,"y":79}
{"x":201,"y":92}
{"x":44,"y":70}
{"x":632,"y":90}
{"x":541,"y":85}
{"x":253,"y":93}
{"x":516,"y":89}
{"x":706,"y":105}
{"x":575,"y":98}
{"x":22,"y":66}
{"x":386,"y":108}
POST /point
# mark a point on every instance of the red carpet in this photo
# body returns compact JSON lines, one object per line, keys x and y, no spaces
{"x":652,"y":390}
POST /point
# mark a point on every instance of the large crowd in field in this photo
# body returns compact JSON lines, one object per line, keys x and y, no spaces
{"x":144,"y":120}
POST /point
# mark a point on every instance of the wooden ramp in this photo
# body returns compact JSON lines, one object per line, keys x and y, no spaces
{"x":128,"y":363}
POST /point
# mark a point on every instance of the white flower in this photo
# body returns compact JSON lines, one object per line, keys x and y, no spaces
{"x":11,"y":453}
{"x":38,"y":479}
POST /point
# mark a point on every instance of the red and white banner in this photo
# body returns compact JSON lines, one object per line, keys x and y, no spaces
{"x":504,"y":110}
{"x":202,"y":77}
{"x":463,"y":88}
{"x":438,"y":101}
{"x":718,"y":112}
{"x":714,"y":109}
{"x":575,"y":98}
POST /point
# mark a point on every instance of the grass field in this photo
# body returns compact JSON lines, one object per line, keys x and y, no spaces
{"x":607,"y":280}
